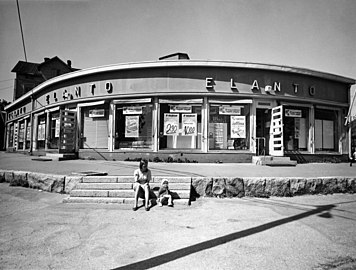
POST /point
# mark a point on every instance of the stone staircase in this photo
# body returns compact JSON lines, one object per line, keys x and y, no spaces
{"x":118,"y":189}
{"x":273,"y":161}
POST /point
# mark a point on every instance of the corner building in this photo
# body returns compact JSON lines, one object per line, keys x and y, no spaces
{"x":187,"y":109}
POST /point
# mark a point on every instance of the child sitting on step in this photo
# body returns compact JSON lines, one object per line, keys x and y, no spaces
{"x":164,"y":193}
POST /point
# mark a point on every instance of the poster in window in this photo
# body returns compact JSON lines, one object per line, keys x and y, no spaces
{"x":41,"y":132}
{"x":56,"y":134}
{"x":171,"y":124}
{"x":189,"y":122}
{"x":28,"y":135}
{"x":22,"y":132}
{"x":132,"y":126}
{"x":238,"y":126}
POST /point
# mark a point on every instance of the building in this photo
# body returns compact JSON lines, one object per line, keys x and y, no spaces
{"x":187,"y":109}
{"x":29,"y":75}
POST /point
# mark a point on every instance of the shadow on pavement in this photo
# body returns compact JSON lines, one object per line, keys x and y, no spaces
{"x":177,"y":254}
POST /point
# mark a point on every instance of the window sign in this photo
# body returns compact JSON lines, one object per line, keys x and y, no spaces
{"x":28,"y":135}
{"x":180,"y":108}
{"x":171,"y":124}
{"x":57,"y":127}
{"x":97,"y":113}
{"x":230,"y":110}
{"x":132,"y":110}
{"x":22,"y":132}
{"x":189,"y":122}
{"x":41,"y":131}
{"x":293,"y":113}
{"x":238,"y":126}
{"x":132,"y":126}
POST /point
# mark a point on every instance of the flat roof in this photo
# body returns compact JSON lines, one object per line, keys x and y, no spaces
{"x":183,"y":63}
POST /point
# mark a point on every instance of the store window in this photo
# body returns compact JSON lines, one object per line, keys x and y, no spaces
{"x":296,"y":128}
{"x":41,"y":132}
{"x":229,"y":127}
{"x":133,"y":127}
{"x":95,"y":128}
{"x":180,"y":126}
{"x":326,"y":130}
{"x":54,"y":127}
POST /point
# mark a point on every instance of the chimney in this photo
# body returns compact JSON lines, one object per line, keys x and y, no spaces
{"x":46,"y":59}
{"x":69,"y":63}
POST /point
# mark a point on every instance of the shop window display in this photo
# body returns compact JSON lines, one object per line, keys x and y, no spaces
{"x":296,"y":128}
{"x":95,"y":130}
{"x":180,"y":126}
{"x":326,"y":132}
{"x":229,"y":127}
{"x":133,"y":129}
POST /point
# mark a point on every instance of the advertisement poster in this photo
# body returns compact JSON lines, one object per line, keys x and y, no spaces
{"x":56,"y":135}
{"x":189,"y":122}
{"x":238,"y":127}
{"x":132,"y":110}
{"x":22,"y":132}
{"x":28,"y":135}
{"x":132,"y":126}
{"x":41,"y":131}
{"x":171,"y":124}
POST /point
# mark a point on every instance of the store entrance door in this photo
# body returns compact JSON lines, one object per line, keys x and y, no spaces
{"x":263,"y":123}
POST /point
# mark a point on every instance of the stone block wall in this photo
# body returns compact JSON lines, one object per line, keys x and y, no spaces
{"x":270,"y":186}
{"x":204,"y":186}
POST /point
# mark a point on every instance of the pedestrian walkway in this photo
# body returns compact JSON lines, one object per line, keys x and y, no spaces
{"x":21,"y":162}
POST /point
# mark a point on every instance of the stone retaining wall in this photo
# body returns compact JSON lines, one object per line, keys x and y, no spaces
{"x":270,"y":186}
{"x":204,"y":186}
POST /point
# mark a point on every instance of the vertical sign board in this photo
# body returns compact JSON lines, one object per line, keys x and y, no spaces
{"x":276,"y":131}
{"x":68,"y":131}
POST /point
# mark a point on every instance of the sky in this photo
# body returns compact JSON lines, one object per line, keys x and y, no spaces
{"x":313,"y":34}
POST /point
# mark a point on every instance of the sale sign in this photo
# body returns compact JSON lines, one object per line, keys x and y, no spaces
{"x":189,"y":123}
{"x":171,"y":124}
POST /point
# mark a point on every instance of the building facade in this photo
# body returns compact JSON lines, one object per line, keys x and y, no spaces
{"x":195,"y":110}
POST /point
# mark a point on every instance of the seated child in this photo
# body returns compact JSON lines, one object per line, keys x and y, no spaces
{"x":164,"y":193}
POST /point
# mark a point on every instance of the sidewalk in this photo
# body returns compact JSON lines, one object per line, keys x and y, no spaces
{"x":39,"y":232}
{"x":21,"y":162}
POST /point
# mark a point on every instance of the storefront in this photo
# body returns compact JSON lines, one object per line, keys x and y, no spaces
{"x":203,"y":110}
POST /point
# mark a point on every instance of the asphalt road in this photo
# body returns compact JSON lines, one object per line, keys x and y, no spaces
{"x":38,"y":231}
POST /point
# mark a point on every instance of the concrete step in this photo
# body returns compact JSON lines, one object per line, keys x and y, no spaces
{"x":273,"y":161}
{"x":116,"y":200}
{"x":110,"y":186}
{"x":130,"y":179}
{"x":121,"y":193}
{"x":107,"y":186}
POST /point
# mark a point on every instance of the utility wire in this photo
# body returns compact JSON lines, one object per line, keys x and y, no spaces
{"x":23,"y":40}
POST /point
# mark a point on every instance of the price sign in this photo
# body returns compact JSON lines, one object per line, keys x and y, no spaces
{"x":189,"y":122}
{"x":171,"y":124}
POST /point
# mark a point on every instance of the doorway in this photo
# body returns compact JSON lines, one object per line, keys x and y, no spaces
{"x":263,"y":123}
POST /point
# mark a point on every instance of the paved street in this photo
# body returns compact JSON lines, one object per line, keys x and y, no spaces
{"x":38,"y":231}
